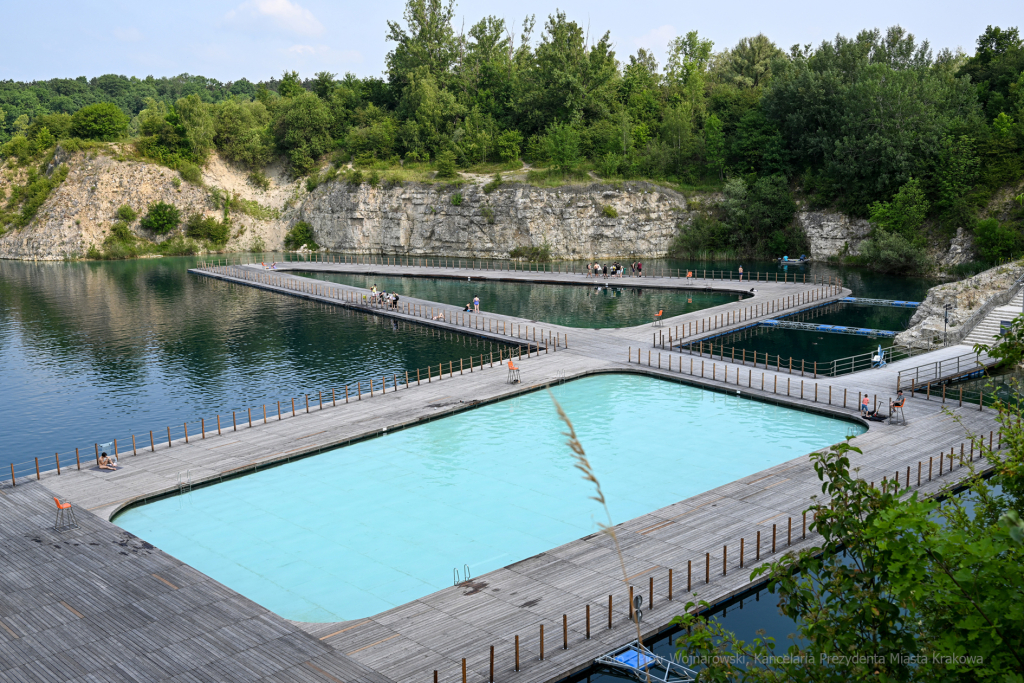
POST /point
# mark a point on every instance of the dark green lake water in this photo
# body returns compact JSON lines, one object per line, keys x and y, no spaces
{"x":94,"y":351}
{"x":592,"y":305}
{"x":97,"y":350}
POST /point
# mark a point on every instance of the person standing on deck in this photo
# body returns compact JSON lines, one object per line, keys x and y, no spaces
{"x":476,"y":304}
{"x":639,"y":269}
{"x":741,"y":273}
{"x":864,"y":403}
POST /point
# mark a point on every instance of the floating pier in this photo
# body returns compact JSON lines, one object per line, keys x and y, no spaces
{"x":833,"y":329}
{"x":879,"y":302}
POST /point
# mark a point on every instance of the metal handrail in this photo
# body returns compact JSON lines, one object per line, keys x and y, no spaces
{"x":965,"y":329}
{"x":948,"y":368}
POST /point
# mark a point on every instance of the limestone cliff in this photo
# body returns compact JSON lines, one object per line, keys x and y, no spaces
{"x":576,"y":222}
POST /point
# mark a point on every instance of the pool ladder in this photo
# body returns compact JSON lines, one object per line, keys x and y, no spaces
{"x":465,"y":569}
{"x":185,"y":482}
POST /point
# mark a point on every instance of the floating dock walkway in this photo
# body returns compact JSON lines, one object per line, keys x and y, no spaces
{"x":160,"y":618}
{"x":833,"y":329}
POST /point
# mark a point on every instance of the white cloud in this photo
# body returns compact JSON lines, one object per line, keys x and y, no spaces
{"x":279,"y":14}
{"x":656,"y":39}
{"x":128,"y":35}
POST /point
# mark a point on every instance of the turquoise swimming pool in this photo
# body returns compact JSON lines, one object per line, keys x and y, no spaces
{"x":352,"y":532}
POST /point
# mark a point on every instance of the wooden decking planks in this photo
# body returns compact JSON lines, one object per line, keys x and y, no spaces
{"x":167,"y":603}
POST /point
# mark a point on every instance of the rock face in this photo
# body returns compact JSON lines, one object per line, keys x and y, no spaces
{"x":432,"y":219}
{"x":961,"y":249}
{"x":81,"y":210}
{"x":832,"y":233}
{"x":968,"y":297}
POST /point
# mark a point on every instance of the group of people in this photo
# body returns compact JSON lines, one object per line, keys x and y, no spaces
{"x":874,"y":415}
{"x":615,"y":269}
{"x":387,"y":299}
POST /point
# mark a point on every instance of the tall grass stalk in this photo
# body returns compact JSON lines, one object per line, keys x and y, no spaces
{"x":579,"y":455}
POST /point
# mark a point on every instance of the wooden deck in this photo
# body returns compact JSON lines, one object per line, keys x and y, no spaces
{"x":439,"y":630}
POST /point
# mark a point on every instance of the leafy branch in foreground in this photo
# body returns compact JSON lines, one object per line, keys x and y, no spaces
{"x":900,"y":588}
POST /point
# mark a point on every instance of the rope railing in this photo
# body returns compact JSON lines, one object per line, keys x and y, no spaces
{"x":446,"y":316}
{"x":554,"y":267}
{"x":248,"y":417}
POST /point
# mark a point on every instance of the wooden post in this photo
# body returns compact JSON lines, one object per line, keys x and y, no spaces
{"x":517,"y":658}
{"x":609,"y":611}
{"x":491,"y":679}
{"x":789,"y":534}
{"x":186,"y":438}
{"x":758,"y":546}
{"x":650,"y":595}
{"x":670,"y":584}
{"x":168,"y":444}
{"x":464,"y":669}
{"x":13,"y":482}
{"x":152,"y":444}
{"x":707,"y":567}
{"x":689,"y":574}
{"x":565,"y":632}
{"x":37,"y":468}
{"x":248,"y":410}
{"x":725,"y":552}
{"x":77,"y":461}
{"x":56,"y":457}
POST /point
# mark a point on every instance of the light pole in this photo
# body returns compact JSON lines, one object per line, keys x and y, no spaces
{"x":945,"y":323}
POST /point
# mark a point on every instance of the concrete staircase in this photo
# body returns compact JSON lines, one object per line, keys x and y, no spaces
{"x":989,"y":327}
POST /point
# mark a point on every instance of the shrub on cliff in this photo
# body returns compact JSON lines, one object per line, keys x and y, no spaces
{"x":994,"y":241}
{"x":445,"y":164}
{"x":208,"y":228}
{"x":891,"y":252}
{"x":533,"y":254}
{"x":300,"y":235}
{"x":101,"y":121}
{"x":161,"y":218}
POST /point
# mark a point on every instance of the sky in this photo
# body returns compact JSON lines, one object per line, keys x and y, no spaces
{"x":259,"y":39}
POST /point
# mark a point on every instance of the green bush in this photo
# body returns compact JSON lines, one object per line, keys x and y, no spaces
{"x":300,"y":234}
{"x":609,"y":211}
{"x":533,"y":254}
{"x":101,"y":121}
{"x":488,"y":214}
{"x":259,"y":180}
{"x":891,"y":252}
{"x":445,"y":164}
{"x":493,"y":185}
{"x":356,"y":177}
{"x":703,"y":233}
{"x":208,"y":228}
{"x":161,"y":218}
{"x":121,"y":232}
{"x":457,"y":199}
{"x":994,"y":241}
{"x":374,"y":178}
{"x":126,"y":213}
{"x":179,"y":245}
{"x":190,"y":172}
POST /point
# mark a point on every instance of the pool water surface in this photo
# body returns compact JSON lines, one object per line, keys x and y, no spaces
{"x":355,"y":531}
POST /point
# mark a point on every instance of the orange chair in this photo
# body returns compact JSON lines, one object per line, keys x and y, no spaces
{"x":513,"y":373}
{"x":658,"y":318}
{"x":65,"y":516}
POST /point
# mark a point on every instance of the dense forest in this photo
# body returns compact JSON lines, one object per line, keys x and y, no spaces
{"x":876,"y":125}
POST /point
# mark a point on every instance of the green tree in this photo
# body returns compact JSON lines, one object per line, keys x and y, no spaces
{"x":290,"y":85}
{"x":303,"y":131}
{"x":994,"y":241}
{"x":197,"y":123}
{"x":749,"y":64}
{"x":714,"y":145}
{"x":562,"y":144}
{"x":426,"y":44}
{"x":243,"y":132}
{"x":161,"y":218}
{"x":323,"y":84}
{"x":445,"y":164}
{"x":954,"y":177}
{"x":891,"y":252}
{"x":915,"y":584}
{"x":508,"y":143}
{"x":101,"y":121}
{"x":300,"y":235}
{"x":904,"y":214}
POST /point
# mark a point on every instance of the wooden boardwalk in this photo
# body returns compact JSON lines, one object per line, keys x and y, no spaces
{"x":439,"y":630}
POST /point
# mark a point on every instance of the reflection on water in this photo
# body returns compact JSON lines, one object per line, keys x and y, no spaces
{"x":602,"y":303}
{"x":92,"y":351}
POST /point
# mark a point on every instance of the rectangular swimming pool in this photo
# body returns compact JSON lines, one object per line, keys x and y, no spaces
{"x":355,"y":531}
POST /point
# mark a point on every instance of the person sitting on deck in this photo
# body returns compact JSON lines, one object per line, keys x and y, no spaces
{"x":106,"y":463}
{"x":875,"y":417}
{"x":898,"y":402}
{"x":439,"y":316}
{"x":468,"y":308}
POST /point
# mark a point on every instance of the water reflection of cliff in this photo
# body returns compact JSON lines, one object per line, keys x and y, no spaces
{"x":92,"y":350}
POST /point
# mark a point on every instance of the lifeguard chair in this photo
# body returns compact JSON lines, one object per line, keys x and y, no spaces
{"x":513,"y":373}
{"x":659,"y":318}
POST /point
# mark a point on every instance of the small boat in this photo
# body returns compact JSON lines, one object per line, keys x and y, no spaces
{"x":785,"y":259}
